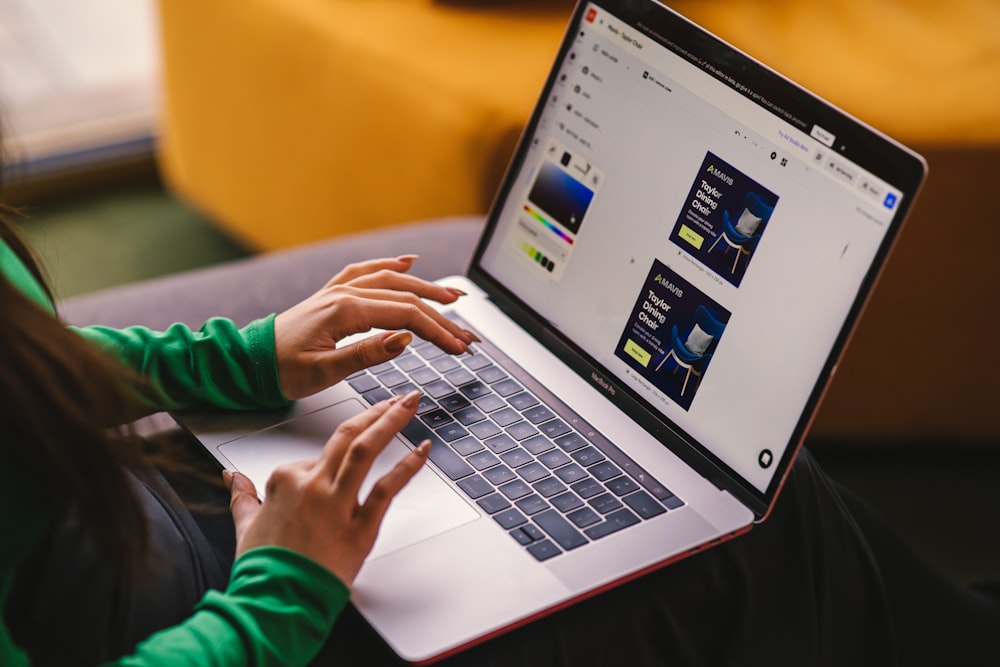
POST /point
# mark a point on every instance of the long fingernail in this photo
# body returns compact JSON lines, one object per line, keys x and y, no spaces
{"x":407,"y":258}
{"x":457,"y":292}
{"x":425,"y":448}
{"x":395,"y":343}
{"x":471,"y":337}
{"x":412,"y":399}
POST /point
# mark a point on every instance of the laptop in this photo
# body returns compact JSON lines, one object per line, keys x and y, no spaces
{"x":671,"y":269}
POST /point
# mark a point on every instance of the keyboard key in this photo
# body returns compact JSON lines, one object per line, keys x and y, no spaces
{"x":571,"y":442}
{"x":531,"y":504}
{"x":501,"y":443}
{"x":493,"y":503}
{"x":566,"y":502}
{"x":459,"y":376}
{"x":538,"y":414}
{"x":543,"y":550}
{"x":441,"y":455}
{"x":363,"y":383}
{"x":522,"y":537}
{"x":622,"y":485}
{"x":510,"y":518}
{"x":483,"y":460}
{"x":588,"y":456}
{"x":522,"y":401}
{"x":438,"y":389}
{"x":499,"y":475}
{"x":554,"y":428}
{"x":429,"y":352}
{"x":559,"y":529}
{"x":467,"y":446}
{"x":532,"y":472}
{"x":516,"y":457}
{"x":454,"y":402}
{"x":537,"y":444}
{"x":436,"y":418}
{"x":546,"y":487}
{"x":475,"y":361}
{"x":571,"y":473}
{"x":426,"y":404}
{"x":612,"y":524}
{"x":409,"y":362}
{"x":521,"y":430}
{"x":403,"y":389}
{"x":605,"y":503}
{"x":516,"y":489}
{"x":507,"y":388}
{"x":673,"y":502}
{"x":490,"y":374}
{"x":604,"y":471}
{"x":475,"y":486}
{"x":505,"y":416}
{"x":452,"y":431}
{"x":553,"y":459}
{"x":424,"y":376}
{"x":490,"y":402}
{"x":470,"y":415}
{"x":484,"y":429}
{"x":475,"y":389}
{"x":445,"y":364}
{"x":376,"y":395}
{"x":384,"y":367}
{"x":393,"y":378}
{"x":587,"y":488}
{"x":643,"y":504}
{"x":584,"y":517}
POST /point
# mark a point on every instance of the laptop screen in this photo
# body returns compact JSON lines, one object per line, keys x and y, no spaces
{"x":694,"y":231}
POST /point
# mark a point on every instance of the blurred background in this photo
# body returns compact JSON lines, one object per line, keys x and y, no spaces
{"x":145,"y":138}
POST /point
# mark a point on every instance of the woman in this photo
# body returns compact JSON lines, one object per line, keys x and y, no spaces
{"x":99,"y":560}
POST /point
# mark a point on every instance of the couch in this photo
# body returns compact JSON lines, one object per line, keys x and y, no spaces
{"x":288,"y":121}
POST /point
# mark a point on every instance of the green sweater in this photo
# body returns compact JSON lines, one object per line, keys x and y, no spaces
{"x":279,"y":606}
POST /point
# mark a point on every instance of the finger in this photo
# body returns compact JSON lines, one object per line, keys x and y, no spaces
{"x":243,"y":501}
{"x":358,"y":269}
{"x":389,"y":485}
{"x":348,"y":359}
{"x":347,"y":432}
{"x":404,"y":282}
{"x":388,"y":309}
{"x":368,"y":445}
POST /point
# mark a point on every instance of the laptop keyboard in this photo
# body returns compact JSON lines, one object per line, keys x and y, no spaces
{"x":543,"y":474}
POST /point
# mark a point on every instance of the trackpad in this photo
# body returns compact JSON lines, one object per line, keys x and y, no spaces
{"x":425,"y":507}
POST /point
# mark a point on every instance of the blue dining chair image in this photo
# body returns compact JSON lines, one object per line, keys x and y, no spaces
{"x":694,"y":349}
{"x":743,"y":234}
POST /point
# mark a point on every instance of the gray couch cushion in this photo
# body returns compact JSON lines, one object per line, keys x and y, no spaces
{"x":249,"y":288}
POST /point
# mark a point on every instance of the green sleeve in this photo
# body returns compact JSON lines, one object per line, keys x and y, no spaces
{"x":218,"y":365}
{"x":278,"y":610}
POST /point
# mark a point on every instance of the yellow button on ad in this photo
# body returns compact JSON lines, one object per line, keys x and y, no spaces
{"x":633,"y":350}
{"x":691,"y":236}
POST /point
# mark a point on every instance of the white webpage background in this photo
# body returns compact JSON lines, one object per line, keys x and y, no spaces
{"x":798,"y":288}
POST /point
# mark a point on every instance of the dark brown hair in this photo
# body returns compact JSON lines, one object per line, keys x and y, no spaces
{"x":64,"y":404}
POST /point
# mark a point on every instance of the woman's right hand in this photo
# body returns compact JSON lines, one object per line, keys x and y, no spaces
{"x":312,"y":507}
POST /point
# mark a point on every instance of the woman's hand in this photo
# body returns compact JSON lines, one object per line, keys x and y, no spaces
{"x":312,"y":507}
{"x":373,"y":294}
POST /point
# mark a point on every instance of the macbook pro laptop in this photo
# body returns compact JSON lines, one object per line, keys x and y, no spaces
{"x":669,"y":274}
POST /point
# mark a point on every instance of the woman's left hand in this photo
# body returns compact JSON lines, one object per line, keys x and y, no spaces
{"x":373,"y":294}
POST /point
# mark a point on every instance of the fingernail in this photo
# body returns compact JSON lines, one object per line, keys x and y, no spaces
{"x":407,"y":258}
{"x":472,"y":338}
{"x":227,"y":479}
{"x":457,"y":292}
{"x":397,"y":342}
{"x":425,"y":448}
{"x":412,"y":399}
